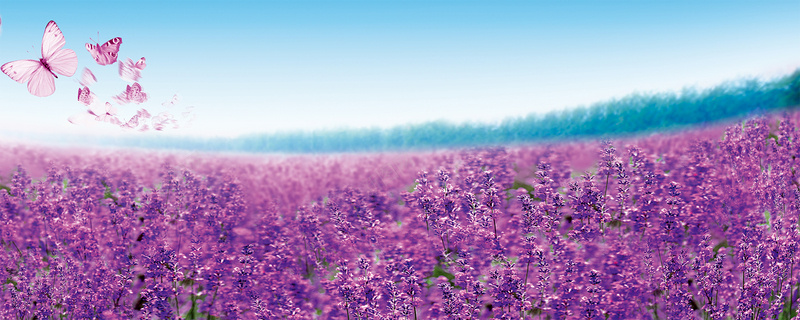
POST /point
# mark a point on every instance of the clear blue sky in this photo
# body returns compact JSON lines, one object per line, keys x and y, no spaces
{"x":266,"y":66}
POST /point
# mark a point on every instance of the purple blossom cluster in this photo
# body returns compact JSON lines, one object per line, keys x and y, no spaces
{"x":668,"y":227}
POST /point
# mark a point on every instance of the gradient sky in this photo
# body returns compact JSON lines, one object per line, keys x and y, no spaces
{"x":267,"y":66}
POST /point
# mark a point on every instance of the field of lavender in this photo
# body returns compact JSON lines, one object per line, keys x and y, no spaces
{"x":696,"y":225}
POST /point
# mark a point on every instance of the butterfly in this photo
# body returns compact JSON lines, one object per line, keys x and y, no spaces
{"x":107,"y":53}
{"x":133,"y":93}
{"x":142,"y":113}
{"x":107,"y":114}
{"x":130,"y":71}
{"x":94,"y":114}
{"x":134,"y":121}
{"x":40,"y":74}
{"x":88,"y":78}
{"x":163,"y":119}
{"x":171,"y":102}
{"x":85,"y":96}
{"x":188,"y":116}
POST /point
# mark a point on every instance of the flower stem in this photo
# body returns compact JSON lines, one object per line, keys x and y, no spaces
{"x":494,"y":221}
{"x":526,"y":272}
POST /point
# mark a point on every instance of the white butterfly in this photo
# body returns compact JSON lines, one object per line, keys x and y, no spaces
{"x":40,"y":74}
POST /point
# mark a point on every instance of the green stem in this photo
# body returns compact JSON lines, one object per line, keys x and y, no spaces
{"x":494,"y":222}
{"x":192,"y":311}
{"x":655,"y":306}
{"x":526,"y":272}
{"x":15,"y":247}
{"x":791,"y":291}
{"x":743,"y":276}
{"x":46,"y":250}
{"x":177,"y":306}
{"x":208,"y":317}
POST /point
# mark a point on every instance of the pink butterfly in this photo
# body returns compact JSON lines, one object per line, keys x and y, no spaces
{"x":88,"y":78}
{"x":41,"y":74}
{"x":188,"y":116}
{"x":107,"y":114}
{"x":134,"y":121}
{"x":130,"y":71}
{"x":89,"y":117}
{"x":133,"y":93}
{"x":95,"y":113}
{"x":171,"y":102}
{"x":107,"y":53}
{"x":142,"y":113}
{"x":85,"y":96}
{"x":163,"y":119}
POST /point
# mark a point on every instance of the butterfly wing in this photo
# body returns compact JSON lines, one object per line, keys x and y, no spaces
{"x":93,"y":49}
{"x":85,"y":118}
{"x":111,"y":49}
{"x":130,"y":71}
{"x":21,"y":70}
{"x":175,"y":100}
{"x":140,"y":64}
{"x":132,"y":123}
{"x":88,"y":78}
{"x":141,"y":98}
{"x":126,"y":71}
{"x":162,"y":120}
{"x":97,"y":109}
{"x":133,"y":93}
{"x":122,"y":98}
{"x":136,"y":120}
{"x":109,"y":115}
{"x":52,"y":40}
{"x":142,"y":113}
{"x":188,"y":116}
{"x":85,"y":96}
{"x":63,"y":61}
{"x":110,"y":109}
{"x":42,"y":83}
{"x":106,"y":53}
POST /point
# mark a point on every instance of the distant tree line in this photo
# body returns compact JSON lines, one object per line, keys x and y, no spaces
{"x":634,"y":114}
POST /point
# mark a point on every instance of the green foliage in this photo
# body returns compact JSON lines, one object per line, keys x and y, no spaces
{"x":519,"y":184}
{"x":193,"y":312}
{"x":438,"y":271}
{"x":788,"y":313}
{"x":106,"y":194}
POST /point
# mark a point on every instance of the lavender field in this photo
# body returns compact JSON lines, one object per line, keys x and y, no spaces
{"x":697,"y":225}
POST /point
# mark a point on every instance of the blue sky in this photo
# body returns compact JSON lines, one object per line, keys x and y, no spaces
{"x":267,"y":66}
